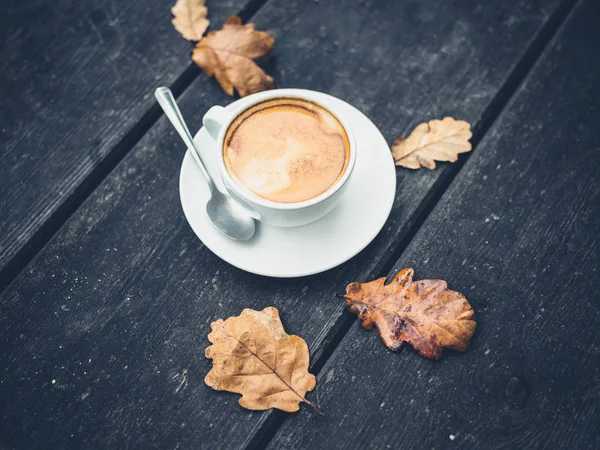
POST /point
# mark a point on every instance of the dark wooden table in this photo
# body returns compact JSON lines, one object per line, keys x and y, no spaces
{"x":107,"y":295}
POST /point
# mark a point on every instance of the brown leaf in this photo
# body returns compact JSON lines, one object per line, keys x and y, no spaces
{"x":425,"y":313}
{"x":436,"y":140}
{"x":189,"y":18}
{"x":228,"y":54}
{"x":253,"y":356}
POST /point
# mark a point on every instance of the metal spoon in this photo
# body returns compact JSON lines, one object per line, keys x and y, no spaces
{"x":227,"y":215}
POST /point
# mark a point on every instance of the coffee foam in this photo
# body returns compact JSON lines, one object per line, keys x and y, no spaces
{"x":286,"y":150}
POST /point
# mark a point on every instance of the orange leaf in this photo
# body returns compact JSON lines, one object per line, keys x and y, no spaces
{"x":425,"y":313}
{"x":229,"y":55}
{"x":253,"y":356}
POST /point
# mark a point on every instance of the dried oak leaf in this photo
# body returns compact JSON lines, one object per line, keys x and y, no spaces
{"x":228,"y":54}
{"x":253,"y":356}
{"x":436,"y":140}
{"x":189,"y":18}
{"x":425,"y":313}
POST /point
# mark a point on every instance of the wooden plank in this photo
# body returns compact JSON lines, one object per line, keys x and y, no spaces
{"x":117,"y":307}
{"x":78,"y":76}
{"x":518,"y":234}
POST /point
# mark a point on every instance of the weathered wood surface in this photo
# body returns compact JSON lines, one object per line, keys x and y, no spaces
{"x":77,"y":76}
{"x":117,"y":307}
{"x":517,"y":233}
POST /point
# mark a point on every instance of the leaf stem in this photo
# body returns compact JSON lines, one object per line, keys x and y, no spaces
{"x":321,"y":413}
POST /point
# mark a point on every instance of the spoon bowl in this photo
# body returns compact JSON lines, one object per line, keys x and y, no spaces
{"x":230,"y":218}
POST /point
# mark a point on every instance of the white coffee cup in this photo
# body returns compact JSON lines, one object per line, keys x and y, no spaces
{"x":218,"y":119}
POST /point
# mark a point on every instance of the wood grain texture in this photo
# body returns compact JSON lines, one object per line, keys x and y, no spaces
{"x":77,"y":76}
{"x":517,"y":233}
{"x":117,"y":307}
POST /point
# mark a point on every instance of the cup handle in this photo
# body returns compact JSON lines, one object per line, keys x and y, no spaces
{"x":214,"y":119}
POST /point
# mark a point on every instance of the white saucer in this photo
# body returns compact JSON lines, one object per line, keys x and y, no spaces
{"x":313,"y":248}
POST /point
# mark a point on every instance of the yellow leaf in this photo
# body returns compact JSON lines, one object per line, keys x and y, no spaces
{"x":436,"y":140}
{"x":190,"y":18}
{"x":254,"y":356}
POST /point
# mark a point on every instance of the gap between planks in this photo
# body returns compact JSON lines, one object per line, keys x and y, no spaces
{"x":72,"y":203}
{"x":268,"y":427}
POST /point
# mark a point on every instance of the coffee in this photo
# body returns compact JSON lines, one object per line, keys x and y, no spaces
{"x":286,"y":150}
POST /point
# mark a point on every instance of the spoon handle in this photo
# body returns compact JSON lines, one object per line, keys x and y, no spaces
{"x":167,"y":102}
